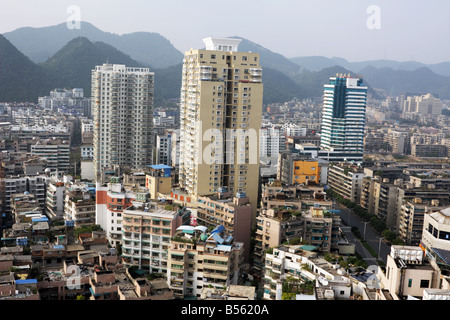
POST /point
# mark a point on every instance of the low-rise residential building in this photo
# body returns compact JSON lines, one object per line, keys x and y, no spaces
{"x":408,"y":273}
{"x":54,"y":201}
{"x":233,"y":292}
{"x":295,"y":168}
{"x":158,"y":180}
{"x":12,"y":289}
{"x":297,"y":265}
{"x":79,"y":204}
{"x":436,"y":238}
{"x":232,"y":212}
{"x":111,"y":200}
{"x":412,"y":217}
{"x":147,"y":228}
{"x":429,"y":150}
{"x":197,"y":259}
{"x":119,"y":284}
{"x":277,"y":195}
{"x":346,"y":180}
{"x":55,"y":151}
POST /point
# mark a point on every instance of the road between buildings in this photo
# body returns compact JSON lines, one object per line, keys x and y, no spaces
{"x":372,"y":238}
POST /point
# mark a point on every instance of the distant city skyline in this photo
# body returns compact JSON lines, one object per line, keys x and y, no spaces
{"x":355,"y":30}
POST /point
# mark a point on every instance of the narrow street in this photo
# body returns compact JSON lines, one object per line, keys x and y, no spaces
{"x":372,"y":238}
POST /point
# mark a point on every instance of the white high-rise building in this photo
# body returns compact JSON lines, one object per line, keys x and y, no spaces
{"x":164,"y":149}
{"x":123,"y":106}
{"x":272,"y":141}
{"x":424,"y":104}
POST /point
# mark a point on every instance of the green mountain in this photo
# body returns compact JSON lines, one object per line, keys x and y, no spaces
{"x":278,"y":87}
{"x":270,"y":59}
{"x":39,"y":44}
{"x":314,"y":63}
{"x":317,"y":63}
{"x":167,"y":83}
{"x":419,"y":81}
{"x":311,"y":82}
{"x":72,"y":54}
{"x":20,"y":79}
{"x":74,"y":62}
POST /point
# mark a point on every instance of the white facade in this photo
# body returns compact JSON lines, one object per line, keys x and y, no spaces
{"x":87,"y":152}
{"x":436,"y":230}
{"x":164,"y":149}
{"x":123,"y":108}
{"x":293,"y":130}
{"x":425,"y":104}
{"x":54,"y":202}
{"x":87,"y":126}
{"x":290,"y":261}
{"x":271,"y":141}
{"x":221,"y":44}
{"x":87,"y":170}
{"x":175,"y":156}
{"x":56,"y":152}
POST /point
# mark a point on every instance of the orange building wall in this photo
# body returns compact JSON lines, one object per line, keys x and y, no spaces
{"x":304,"y":169}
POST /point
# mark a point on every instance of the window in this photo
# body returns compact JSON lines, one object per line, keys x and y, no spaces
{"x":424,"y":283}
{"x":444,"y":235}
{"x":409,"y":283}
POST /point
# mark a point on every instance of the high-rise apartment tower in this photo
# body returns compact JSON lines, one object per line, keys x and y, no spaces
{"x":122,"y":109}
{"x":220,"y":112}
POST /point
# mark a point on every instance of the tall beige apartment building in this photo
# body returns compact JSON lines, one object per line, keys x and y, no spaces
{"x":220,"y":111}
{"x":122,"y":109}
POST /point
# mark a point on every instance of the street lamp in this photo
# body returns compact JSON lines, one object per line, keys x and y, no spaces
{"x":379,"y":246}
{"x":365,"y":224}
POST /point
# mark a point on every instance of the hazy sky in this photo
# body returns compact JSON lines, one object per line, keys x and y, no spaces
{"x":398,"y":29}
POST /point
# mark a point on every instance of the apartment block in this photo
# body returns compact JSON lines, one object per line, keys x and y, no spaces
{"x":398,"y":141}
{"x":234,"y":213}
{"x":79,"y":204}
{"x":297,"y":262}
{"x":436,"y":236}
{"x":272,"y":141}
{"x":424,"y":104}
{"x":295,"y":168}
{"x":220,"y":112}
{"x":408,"y":273}
{"x":111,"y":201}
{"x":122,"y":104}
{"x":346,"y":180}
{"x":54,"y":201}
{"x":146,"y":233}
{"x":198,"y":259}
{"x":412,"y":217}
{"x":164,"y":149}
{"x":11,"y":185}
{"x":429,"y":150}
{"x":55,"y":151}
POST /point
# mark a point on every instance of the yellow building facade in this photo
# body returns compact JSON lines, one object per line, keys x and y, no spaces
{"x":305,"y":171}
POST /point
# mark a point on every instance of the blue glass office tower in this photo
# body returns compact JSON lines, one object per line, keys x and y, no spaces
{"x":343,"y":119}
